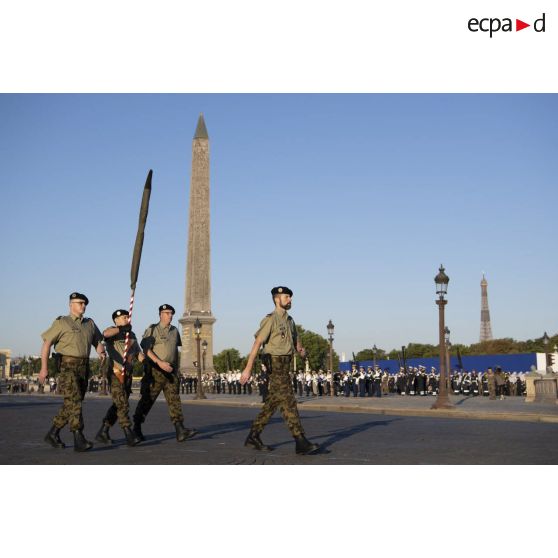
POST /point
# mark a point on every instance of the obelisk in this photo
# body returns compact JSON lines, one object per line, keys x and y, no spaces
{"x":197,"y":300}
{"x":486,"y":327}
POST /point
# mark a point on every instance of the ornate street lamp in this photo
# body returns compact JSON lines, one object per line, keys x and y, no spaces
{"x":442,"y":400}
{"x":197,"y":328}
{"x":546,"y":341}
{"x":330,"y":328}
{"x":204,"y":351}
{"x":448,"y":351}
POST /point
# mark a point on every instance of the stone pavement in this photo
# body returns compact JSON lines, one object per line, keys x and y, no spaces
{"x":479,"y":408}
{"x":345,"y":437}
{"x":475,"y":408}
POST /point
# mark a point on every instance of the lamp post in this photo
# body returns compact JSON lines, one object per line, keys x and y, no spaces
{"x":374,"y":350}
{"x":330,"y":328}
{"x":197,"y":328}
{"x":442,"y":400}
{"x":448,"y":351}
{"x":204,"y":351}
{"x":546,"y":341}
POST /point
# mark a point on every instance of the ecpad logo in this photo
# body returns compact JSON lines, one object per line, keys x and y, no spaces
{"x":492,"y":25}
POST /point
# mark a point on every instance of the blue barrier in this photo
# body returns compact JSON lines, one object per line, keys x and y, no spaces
{"x":510,"y":363}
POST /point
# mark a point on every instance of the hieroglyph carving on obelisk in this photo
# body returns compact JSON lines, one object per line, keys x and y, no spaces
{"x":197,"y":304}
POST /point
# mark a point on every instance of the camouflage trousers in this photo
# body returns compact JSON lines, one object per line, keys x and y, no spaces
{"x":152,"y":383}
{"x":72,"y":380}
{"x":281,"y":396}
{"x":120,"y":408}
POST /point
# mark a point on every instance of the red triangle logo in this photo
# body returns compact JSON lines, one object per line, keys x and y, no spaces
{"x":519,"y":25}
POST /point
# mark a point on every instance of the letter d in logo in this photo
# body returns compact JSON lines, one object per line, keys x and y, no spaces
{"x":539,"y":24}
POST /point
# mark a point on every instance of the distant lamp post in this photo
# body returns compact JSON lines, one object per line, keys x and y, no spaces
{"x":374,"y":351}
{"x":546,"y":341}
{"x":442,"y":400}
{"x":204,"y":351}
{"x":197,"y":328}
{"x":448,"y":350}
{"x":330,"y":328}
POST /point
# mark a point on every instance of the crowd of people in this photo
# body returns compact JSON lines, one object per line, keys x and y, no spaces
{"x":369,"y":382}
{"x":358,"y":382}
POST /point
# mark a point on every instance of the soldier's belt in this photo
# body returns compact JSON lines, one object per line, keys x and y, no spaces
{"x":74,"y":359}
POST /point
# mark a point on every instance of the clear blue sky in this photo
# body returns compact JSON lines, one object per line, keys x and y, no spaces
{"x":353,"y":201}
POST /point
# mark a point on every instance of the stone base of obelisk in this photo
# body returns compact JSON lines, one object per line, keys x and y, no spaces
{"x":189,"y":350}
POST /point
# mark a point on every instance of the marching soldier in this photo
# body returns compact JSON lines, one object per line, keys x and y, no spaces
{"x":115,"y":341}
{"x":277,"y":334}
{"x":72,"y":336}
{"x":160,"y":345}
{"x":491,"y":381}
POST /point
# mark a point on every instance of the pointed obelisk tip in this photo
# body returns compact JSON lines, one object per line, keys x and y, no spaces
{"x":201,"y":130}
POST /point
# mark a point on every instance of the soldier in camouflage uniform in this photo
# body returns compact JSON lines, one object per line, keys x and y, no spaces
{"x":72,"y":336}
{"x":115,"y":341}
{"x":160,"y":345}
{"x":278,"y":336}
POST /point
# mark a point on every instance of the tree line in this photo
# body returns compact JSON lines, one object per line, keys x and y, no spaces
{"x":317,"y":350}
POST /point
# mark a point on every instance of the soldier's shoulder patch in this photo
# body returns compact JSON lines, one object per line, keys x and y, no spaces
{"x":269,"y":315}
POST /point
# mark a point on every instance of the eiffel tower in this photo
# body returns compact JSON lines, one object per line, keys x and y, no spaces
{"x":485,"y":328}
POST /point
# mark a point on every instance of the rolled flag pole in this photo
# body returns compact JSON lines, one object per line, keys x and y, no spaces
{"x":135,"y":265}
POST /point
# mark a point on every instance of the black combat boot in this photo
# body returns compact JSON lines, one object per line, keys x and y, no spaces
{"x":53,"y":438}
{"x":131,"y":438}
{"x":103,"y":434}
{"x":254,"y":441}
{"x":182,"y":434}
{"x":138,"y":432}
{"x":80,"y":443}
{"x":304,"y":447}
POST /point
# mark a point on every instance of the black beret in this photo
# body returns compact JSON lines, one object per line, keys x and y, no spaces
{"x":79,"y":296}
{"x":117,"y":313}
{"x":281,"y":290}
{"x":166,"y":307}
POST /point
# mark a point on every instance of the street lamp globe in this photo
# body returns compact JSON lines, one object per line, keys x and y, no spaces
{"x":447,"y":334}
{"x":545,"y":339}
{"x":204,"y":345}
{"x":441,"y":281}
{"x":330,"y":328}
{"x":197,"y":326}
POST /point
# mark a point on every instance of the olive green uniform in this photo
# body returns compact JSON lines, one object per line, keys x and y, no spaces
{"x":120,"y":392}
{"x":72,"y":338}
{"x":278,"y":333}
{"x":491,"y":382}
{"x":164,"y":342}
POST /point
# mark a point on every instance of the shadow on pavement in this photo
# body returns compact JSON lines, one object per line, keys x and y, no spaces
{"x":345,"y":433}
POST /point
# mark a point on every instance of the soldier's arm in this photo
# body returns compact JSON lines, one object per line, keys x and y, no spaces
{"x":251,"y":358}
{"x":45,"y":352}
{"x":100,"y":348}
{"x":111,"y":331}
{"x":164,"y":365}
